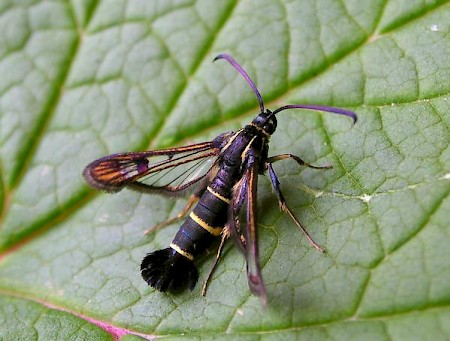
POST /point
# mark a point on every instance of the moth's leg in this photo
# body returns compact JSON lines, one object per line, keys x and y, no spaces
{"x":275,"y":158}
{"x":193,"y":199}
{"x":284,"y":207}
{"x":225,"y":235}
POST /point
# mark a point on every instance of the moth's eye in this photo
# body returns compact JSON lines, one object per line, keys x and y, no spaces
{"x":259,"y":120}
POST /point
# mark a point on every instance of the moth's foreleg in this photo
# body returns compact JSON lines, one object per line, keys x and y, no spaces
{"x":296,"y":158}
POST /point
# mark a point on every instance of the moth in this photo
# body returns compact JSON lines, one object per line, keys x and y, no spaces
{"x":221,"y":176}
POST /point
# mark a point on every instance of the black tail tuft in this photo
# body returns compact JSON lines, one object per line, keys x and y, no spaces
{"x":166,"y":270}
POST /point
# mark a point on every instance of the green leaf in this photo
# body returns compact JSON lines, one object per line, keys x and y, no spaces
{"x":23,"y":319}
{"x":83,"y":79}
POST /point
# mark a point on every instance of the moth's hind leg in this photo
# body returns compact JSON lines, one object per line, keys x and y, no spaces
{"x":225,"y":235}
{"x":283,"y":205}
{"x":193,"y":199}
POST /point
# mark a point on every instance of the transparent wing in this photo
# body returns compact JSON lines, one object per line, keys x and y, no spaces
{"x":167,"y":170}
{"x":254,"y":276}
{"x":244,"y":207}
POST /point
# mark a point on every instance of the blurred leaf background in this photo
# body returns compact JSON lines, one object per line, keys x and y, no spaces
{"x":81,"y":79}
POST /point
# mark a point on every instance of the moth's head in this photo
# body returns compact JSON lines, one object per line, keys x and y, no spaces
{"x":266,"y":121}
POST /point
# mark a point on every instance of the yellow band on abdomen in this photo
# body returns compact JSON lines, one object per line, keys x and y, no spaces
{"x":217,"y":195}
{"x":215,"y":231}
{"x":181,"y":251}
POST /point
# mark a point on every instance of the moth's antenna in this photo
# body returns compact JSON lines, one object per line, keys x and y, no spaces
{"x":333,"y":110}
{"x":239,"y":68}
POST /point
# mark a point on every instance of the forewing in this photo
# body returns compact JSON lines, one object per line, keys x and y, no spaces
{"x":167,"y":170}
{"x":236,"y":209}
{"x":254,"y":276}
{"x":244,"y":205}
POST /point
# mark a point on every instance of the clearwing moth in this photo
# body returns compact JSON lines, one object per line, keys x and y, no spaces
{"x":221,"y":176}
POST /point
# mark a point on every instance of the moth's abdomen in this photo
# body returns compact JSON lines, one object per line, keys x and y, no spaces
{"x":173,"y":268}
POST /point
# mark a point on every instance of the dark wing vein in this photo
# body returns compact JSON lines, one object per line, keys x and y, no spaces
{"x":172,"y":169}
